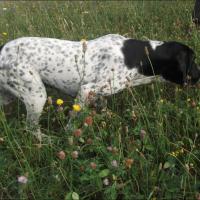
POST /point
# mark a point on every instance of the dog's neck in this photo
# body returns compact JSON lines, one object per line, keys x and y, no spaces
{"x":143,"y":81}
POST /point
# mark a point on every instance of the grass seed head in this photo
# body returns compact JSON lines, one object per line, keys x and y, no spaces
{"x":142,"y":134}
{"x":84,"y":45}
{"x":82,"y":168}
{"x":115,"y":150}
{"x":70,"y":141}
{"x":193,"y":104}
{"x":60,"y":109}
{"x":49,"y":101}
{"x":1,"y":140}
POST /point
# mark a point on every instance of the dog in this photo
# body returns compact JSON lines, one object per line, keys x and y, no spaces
{"x":105,"y":66}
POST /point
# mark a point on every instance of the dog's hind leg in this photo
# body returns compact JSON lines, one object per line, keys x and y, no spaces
{"x":31,"y":91}
{"x":5,"y":98}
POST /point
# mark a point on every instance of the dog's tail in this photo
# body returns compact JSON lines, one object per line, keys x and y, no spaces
{"x":1,"y":47}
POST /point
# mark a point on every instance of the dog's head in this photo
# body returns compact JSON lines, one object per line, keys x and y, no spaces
{"x":174,"y":61}
{"x":182,"y":70}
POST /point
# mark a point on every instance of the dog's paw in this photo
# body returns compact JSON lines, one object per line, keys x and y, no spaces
{"x":41,"y":137}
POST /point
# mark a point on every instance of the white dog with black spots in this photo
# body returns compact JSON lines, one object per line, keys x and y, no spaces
{"x":105,"y":66}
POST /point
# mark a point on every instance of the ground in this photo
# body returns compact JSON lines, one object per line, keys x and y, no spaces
{"x":144,"y":145}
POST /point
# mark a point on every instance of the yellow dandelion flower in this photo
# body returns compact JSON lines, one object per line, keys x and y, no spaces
{"x":4,"y":34}
{"x":177,"y":152}
{"x":161,"y":100}
{"x":188,"y":100}
{"x":76,"y":107}
{"x":59,"y":102}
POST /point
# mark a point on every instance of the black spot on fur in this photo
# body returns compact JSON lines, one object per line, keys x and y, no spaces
{"x":7,"y":49}
{"x":21,"y":73}
{"x":115,"y":60}
{"x":49,"y":71}
{"x":103,"y":57}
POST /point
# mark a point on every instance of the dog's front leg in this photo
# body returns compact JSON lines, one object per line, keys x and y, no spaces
{"x":90,"y":94}
{"x":86,"y":96}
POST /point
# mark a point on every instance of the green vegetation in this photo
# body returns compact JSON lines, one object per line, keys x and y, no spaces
{"x":144,"y":145}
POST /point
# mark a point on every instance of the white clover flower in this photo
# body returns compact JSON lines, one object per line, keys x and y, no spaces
{"x":106,"y":181}
{"x":114,"y":163}
{"x":22,"y":179}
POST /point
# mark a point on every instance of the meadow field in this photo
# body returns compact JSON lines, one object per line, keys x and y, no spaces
{"x":144,"y":144}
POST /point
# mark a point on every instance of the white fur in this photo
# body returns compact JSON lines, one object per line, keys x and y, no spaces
{"x":154,"y":44}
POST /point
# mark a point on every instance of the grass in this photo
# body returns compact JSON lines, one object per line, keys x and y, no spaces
{"x":145,"y":145}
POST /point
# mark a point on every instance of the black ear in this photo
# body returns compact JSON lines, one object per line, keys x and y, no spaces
{"x":134,"y":52}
